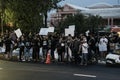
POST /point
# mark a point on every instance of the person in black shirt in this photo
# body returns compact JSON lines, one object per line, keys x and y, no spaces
{"x":21,"y":43}
{"x":35,"y":45}
{"x":76,"y":44}
{"x":45,"y":46}
{"x":92,"y":47}
{"x":8,"y":47}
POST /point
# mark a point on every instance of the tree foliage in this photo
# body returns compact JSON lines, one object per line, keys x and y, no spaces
{"x":25,"y":14}
{"x":82,"y":23}
{"x":48,"y":5}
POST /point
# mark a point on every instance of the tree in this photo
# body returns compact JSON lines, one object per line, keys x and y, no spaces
{"x":77,"y":20}
{"x":2,"y":11}
{"x":93,"y":22}
{"x":25,"y":14}
{"x":65,"y":23}
{"x":48,"y":5}
{"x":82,"y":23}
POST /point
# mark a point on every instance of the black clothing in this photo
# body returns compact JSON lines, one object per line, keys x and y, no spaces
{"x":21,"y":46}
{"x":7,"y":45}
{"x":35,"y":54}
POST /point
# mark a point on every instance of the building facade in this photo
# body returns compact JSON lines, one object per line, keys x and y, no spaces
{"x":109,"y":13}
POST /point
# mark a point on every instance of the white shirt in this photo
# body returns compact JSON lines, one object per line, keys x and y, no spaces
{"x":103,"y":41}
{"x":103,"y":44}
{"x":84,"y":48}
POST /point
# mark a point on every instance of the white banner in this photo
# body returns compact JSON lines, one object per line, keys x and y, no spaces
{"x":18,"y":33}
{"x":69,"y":31}
{"x":72,"y":27}
{"x":87,"y":32}
{"x":2,"y":49}
{"x":43,"y":31}
{"x":66,"y":32}
{"x":51,"y":29}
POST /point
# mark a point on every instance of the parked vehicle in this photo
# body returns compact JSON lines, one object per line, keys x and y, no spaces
{"x":113,"y":58}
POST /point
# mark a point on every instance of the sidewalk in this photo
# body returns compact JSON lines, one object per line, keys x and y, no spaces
{"x":13,"y":58}
{"x":1,"y":55}
{"x":101,"y":62}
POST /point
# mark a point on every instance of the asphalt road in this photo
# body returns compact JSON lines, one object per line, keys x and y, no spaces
{"x":39,"y":71}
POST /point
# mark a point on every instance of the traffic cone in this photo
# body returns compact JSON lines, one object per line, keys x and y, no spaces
{"x":48,"y":61}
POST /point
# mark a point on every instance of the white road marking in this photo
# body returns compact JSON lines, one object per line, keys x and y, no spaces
{"x":92,"y":76}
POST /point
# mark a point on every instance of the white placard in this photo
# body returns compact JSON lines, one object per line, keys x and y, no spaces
{"x":18,"y":33}
{"x":69,"y":31}
{"x":51,"y":29}
{"x":66,"y":32}
{"x":118,"y":34}
{"x":43,"y":31}
{"x":87,"y":32}
{"x":72,"y":27}
{"x":2,"y":49}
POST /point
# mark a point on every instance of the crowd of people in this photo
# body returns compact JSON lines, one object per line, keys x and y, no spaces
{"x":80,"y":49}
